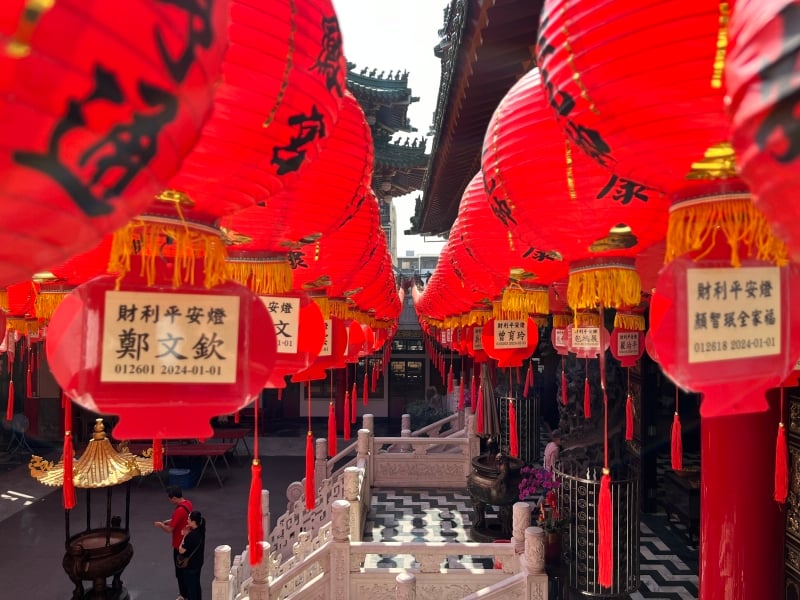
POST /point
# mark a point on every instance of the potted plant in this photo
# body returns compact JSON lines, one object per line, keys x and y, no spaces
{"x":540,"y":485}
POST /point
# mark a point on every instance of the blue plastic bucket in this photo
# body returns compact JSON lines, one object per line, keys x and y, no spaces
{"x":180,"y":477}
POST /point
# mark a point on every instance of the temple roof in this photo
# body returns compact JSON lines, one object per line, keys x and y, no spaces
{"x":485,"y":48}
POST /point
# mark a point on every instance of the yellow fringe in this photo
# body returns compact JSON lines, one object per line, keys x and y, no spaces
{"x":479,"y":316}
{"x":694,"y":227}
{"x":540,"y":320}
{"x":562,"y":320}
{"x":587,"y":319}
{"x":4,"y":299}
{"x":323,"y":305}
{"x":186,"y":245}
{"x":26,"y":326}
{"x":46,"y":304}
{"x":338,"y":308}
{"x":610,"y":286}
{"x":265,"y":277}
{"x":518,"y":300}
{"x":629,"y":321}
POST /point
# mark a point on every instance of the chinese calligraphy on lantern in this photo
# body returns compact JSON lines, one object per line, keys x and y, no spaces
{"x":628,"y":344}
{"x":477,"y":341}
{"x":510,"y":334}
{"x":586,"y":338}
{"x":733,"y":313}
{"x":285,"y":313}
{"x":327,"y":349}
{"x":169,"y":338}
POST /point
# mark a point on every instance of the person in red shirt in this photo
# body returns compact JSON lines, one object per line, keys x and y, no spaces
{"x":174,"y":526}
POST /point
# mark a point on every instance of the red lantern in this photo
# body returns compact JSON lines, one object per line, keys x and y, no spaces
{"x":299,"y":334}
{"x":165,"y":362}
{"x":627,"y":345}
{"x":762,"y":83}
{"x":510,"y":341}
{"x":332,"y":354}
{"x":98,"y":126}
{"x":355,"y":341}
{"x":647,"y":125}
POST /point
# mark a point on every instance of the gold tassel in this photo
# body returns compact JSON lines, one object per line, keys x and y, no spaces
{"x":24,"y":326}
{"x":623,"y":320}
{"x":562,"y":319}
{"x":693,"y":226}
{"x":46,"y":304}
{"x":187,"y":243}
{"x":338,"y":308}
{"x":540,"y":320}
{"x":521,"y":301}
{"x":479,"y":316}
{"x":587,"y":319}
{"x":4,"y":299}
{"x":324,"y":305}
{"x":611,"y":286}
{"x":265,"y":276}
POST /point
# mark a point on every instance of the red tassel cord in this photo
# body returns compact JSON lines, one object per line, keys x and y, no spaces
{"x":365,"y":391}
{"x":629,"y":411}
{"x":528,"y":381}
{"x":354,"y":404}
{"x":462,"y":392}
{"x":311,"y":489}
{"x":781,"y":461}
{"x":677,"y":440}
{"x":563,"y":383}
{"x":375,"y":377}
{"x":10,"y":403}
{"x":450,"y":384}
{"x":255,"y":513}
{"x":587,"y":395}
{"x":332,"y":450}
{"x":68,"y":454}
{"x":280,"y":394}
{"x":158,"y":455}
{"x":513,"y":435}
{"x":236,"y":417}
{"x":479,"y":414}
{"x":605,"y":532}
{"x":346,"y":420}
{"x":28,"y":374}
{"x":473,"y":399}
{"x":255,"y":516}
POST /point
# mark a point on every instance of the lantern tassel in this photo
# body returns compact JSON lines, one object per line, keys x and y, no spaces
{"x":354,"y":404}
{"x":365,"y":391}
{"x":346,"y":419}
{"x":512,"y":429}
{"x":528,"y":382}
{"x":374,"y":378}
{"x":280,"y":394}
{"x":68,"y":489}
{"x":462,"y":393}
{"x":158,"y":455}
{"x":332,"y":449}
{"x":473,"y":399}
{"x":236,"y":417}
{"x":781,"y":466}
{"x":255,"y":524}
{"x":479,"y":414}
{"x":587,"y":399}
{"x":10,"y":405}
{"x":617,"y":286}
{"x":677,"y":443}
{"x":564,"y":399}
{"x":629,"y":418}
{"x":311,"y":493}
{"x":605,"y":529}
{"x":450,"y":385}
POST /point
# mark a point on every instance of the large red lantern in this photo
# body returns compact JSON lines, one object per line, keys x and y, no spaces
{"x":580,"y":211}
{"x":165,"y":361}
{"x":332,"y":354}
{"x":95,"y":128}
{"x":648,"y":125}
{"x":510,"y":341}
{"x":762,"y":84}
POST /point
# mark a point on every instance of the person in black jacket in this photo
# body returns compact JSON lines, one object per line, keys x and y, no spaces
{"x":192,"y":548}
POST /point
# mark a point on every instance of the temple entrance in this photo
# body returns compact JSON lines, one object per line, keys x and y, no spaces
{"x":406,"y":383}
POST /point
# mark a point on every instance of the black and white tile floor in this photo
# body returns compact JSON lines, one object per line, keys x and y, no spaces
{"x":667,"y":568}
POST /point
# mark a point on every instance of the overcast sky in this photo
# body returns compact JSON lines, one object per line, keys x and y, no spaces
{"x":399,"y":34}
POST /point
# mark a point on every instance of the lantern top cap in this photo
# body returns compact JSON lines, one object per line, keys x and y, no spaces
{"x":599,"y":263}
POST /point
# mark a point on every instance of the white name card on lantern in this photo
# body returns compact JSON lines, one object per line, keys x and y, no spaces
{"x":510,"y":334}
{"x":326,"y":345}
{"x":443,"y":337}
{"x":562,"y":339}
{"x":733,"y":313}
{"x":449,"y":336}
{"x":285,"y":314}
{"x":628,"y":343}
{"x":477,"y":341}
{"x":586,"y":338}
{"x":166,"y":338}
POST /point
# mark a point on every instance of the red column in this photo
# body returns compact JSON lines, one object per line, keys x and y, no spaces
{"x":741,"y":526}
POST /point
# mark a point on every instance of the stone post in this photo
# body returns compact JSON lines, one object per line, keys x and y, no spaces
{"x":364,"y":453}
{"x":222,"y":586}
{"x":406,"y":588}
{"x":321,"y":461}
{"x":521,"y":521}
{"x":474,"y":440}
{"x":533,"y":558}
{"x":406,"y":433}
{"x":340,"y":552}
{"x":266,"y":517}
{"x":405,"y":422}
{"x":259,"y":588}
{"x":368,"y":423}
{"x":351,"y":494}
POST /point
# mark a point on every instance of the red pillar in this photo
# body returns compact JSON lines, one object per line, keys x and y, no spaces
{"x":741,"y":526}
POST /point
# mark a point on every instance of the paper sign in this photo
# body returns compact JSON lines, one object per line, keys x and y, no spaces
{"x":168,"y":338}
{"x":477,"y":341}
{"x":285,"y":314}
{"x":733,"y":313}
{"x":510,"y":334}
{"x":628,"y":344}
{"x":326,"y":346}
{"x":586,"y":338}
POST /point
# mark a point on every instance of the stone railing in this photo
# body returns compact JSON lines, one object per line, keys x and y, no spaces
{"x":331,"y":567}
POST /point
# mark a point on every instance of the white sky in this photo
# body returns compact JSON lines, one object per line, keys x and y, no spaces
{"x":399,"y":34}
